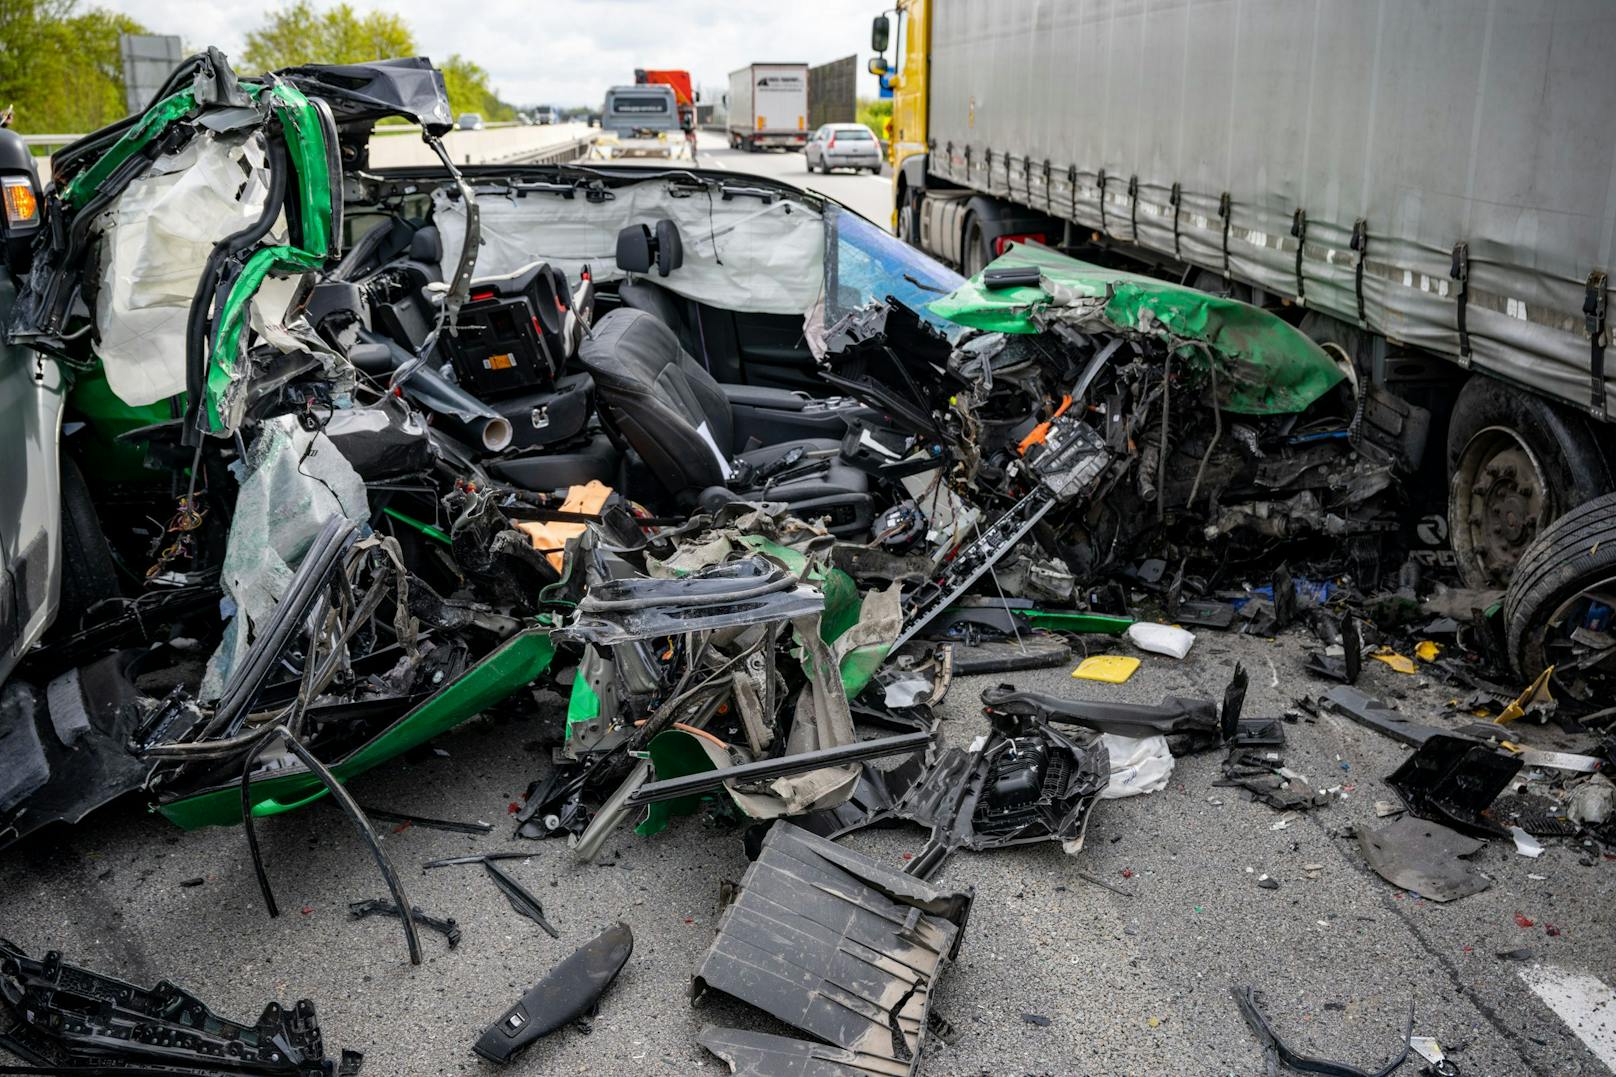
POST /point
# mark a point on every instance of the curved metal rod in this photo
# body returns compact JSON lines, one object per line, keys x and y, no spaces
{"x":394,"y":884}
{"x":247,"y":824}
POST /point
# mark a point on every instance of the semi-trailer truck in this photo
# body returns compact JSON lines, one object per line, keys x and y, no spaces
{"x":768,"y":106}
{"x":1428,"y":189}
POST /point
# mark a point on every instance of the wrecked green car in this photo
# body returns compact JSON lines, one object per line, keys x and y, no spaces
{"x":315,"y":461}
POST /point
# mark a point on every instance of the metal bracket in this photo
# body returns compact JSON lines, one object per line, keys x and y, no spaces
{"x":1103,"y":229}
{"x":1174,"y":198}
{"x":1133,"y":205}
{"x":1594,"y":304}
{"x":1299,"y":230}
{"x":1460,"y":272}
{"x":1360,"y":244}
{"x":1071,"y":189}
{"x":1225,"y":208}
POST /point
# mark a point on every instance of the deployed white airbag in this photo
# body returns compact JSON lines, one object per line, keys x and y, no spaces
{"x":156,"y":238}
{"x":740,"y":254}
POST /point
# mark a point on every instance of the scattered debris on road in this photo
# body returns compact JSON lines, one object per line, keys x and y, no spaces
{"x":383,"y":453}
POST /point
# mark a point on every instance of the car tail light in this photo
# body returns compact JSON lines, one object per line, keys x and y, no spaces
{"x":1002,"y":243}
{"x":832,"y":143}
{"x":22,"y":207}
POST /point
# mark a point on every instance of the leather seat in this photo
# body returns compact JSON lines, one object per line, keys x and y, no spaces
{"x":677,"y":419}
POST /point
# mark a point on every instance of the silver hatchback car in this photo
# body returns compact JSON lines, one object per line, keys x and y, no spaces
{"x":843,"y":145}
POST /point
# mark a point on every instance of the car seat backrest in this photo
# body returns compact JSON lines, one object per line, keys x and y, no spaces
{"x":660,"y":401}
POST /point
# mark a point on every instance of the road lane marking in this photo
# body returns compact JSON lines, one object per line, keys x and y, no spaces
{"x":1583,"y":1002}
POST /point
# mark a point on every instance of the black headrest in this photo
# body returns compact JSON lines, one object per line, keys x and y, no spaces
{"x":670,"y":249}
{"x":426,"y":246}
{"x":634,"y":249}
{"x":639,"y":247}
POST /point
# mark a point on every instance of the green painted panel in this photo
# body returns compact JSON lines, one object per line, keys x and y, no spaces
{"x":510,"y":666}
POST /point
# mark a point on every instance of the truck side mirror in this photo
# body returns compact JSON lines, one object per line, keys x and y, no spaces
{"x":880,"y":33}
{"x":877,"y":65}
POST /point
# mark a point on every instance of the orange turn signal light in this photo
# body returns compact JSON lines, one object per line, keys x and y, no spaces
{"x":22,"y":207}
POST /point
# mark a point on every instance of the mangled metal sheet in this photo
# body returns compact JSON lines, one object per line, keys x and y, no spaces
{"x":1425,"y":857}
{"x":837,"y":946}
{"x":296,"y":481}
{"x":1268,"y":366}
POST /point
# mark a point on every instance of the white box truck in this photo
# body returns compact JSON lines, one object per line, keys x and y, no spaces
{"x":768,"y":106}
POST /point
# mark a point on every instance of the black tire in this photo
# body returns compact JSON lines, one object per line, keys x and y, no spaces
{"x":974,"y":253}
{"x":88,"y":573}
{"x":1516,"y":463}
{"x":1576,"y":553}
{"x":908,"y":222}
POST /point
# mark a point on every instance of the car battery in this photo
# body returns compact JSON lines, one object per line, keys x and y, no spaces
{"x":548,"y":416}
{"x":510,"y":335}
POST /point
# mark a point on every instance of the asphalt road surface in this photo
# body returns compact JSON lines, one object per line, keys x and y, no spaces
{"x":867,"y":195}
{"x":1056,"y":975}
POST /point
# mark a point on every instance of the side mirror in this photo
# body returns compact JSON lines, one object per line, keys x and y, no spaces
{"x":877,"y":65}
{"x":880,"y":33}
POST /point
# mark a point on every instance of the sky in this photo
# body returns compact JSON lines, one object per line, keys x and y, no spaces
{"x":567,"y":52}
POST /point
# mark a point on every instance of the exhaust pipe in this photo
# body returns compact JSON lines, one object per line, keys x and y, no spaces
{"x":462,"y":413}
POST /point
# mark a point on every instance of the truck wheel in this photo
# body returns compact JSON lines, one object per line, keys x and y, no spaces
{"x":909,"y":217}
{"x":974,"y":254}
{"x":1516,"y":463}
{"x":1560,"y":583}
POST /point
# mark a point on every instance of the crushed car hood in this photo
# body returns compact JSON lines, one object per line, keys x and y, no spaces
{"x":1276,"y":369}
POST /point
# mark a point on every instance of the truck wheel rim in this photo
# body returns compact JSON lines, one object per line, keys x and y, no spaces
{"x":1500,"y":500}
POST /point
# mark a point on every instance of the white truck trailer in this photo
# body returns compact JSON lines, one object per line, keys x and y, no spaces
{"x":768,"y":106}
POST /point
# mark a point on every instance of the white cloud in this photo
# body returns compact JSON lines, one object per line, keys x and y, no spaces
{"x":567,"y":52}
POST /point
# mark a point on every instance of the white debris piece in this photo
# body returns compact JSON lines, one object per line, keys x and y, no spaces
{"x":1161,"y":639}
{"x":1138,"y":765}
{"x":1525,"y":844}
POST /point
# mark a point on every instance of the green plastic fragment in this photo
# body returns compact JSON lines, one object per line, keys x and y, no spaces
{"x":1073,"y":621}
{"x":674,"y":754}
{"x":156,"y":120}
{"x":106,"y":420}
{"x":583,"y":704}
{"x":420,"y":525}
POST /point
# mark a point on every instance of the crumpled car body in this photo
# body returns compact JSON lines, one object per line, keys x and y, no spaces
{"x":376,"y":450}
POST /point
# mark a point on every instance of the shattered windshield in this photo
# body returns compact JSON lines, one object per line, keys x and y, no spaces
{"x":864,"y":264}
